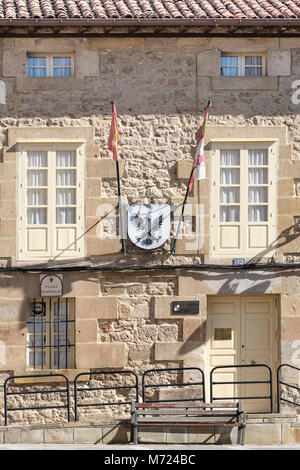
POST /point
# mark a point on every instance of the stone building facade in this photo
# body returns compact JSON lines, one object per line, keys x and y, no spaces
{"x":121,"y":307}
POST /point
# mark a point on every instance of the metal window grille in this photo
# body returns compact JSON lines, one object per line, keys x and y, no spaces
{"x":51,"y":343}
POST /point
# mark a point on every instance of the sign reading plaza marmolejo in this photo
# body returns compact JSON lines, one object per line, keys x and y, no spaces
{"x":51,"y":285}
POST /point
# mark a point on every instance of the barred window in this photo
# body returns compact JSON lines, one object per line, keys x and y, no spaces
{"x":50,"y":334}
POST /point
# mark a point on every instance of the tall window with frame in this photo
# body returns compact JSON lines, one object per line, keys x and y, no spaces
{"x":243,"y":199}
{"x":51,"y":202}
{"x":50,"y":337}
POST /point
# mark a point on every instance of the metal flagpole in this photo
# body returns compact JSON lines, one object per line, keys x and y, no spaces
{"x":185,"y":199}
{"x":121,"y":205}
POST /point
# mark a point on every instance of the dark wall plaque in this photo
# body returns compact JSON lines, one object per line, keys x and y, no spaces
{"x":189,"y":307}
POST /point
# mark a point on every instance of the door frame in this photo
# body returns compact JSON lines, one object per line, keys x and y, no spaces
{"x":276,"y":338}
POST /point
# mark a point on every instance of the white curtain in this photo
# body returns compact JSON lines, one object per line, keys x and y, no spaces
{"x":258,"y":194}
{"x":36,"y":178}
{"x":229,"y":176}
{"x":258,"y":213}
{"x":65,"y":197}
{"x":62,"y":67}
{"x":230,"y":195}
{"x":253,"y":66}
{"x":230,"y":158}
{"x":65,"y":178}
{"x":66,"y":215}
{"x":257,"y":157}
{"x":36,"y":159}
{"x":66,"y":158}
{"x":229,"y":66}
{"x":229,"y":213}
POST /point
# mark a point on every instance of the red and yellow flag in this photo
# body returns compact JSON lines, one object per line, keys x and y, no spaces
{"x":113,"y":140}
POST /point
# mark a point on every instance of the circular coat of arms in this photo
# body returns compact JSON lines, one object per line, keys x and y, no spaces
{"x":149,"y":225}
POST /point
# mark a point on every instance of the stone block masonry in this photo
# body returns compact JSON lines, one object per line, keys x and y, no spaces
{"x":124,"y":320}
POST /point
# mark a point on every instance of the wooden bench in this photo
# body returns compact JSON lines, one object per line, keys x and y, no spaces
{"x":188,"y":414}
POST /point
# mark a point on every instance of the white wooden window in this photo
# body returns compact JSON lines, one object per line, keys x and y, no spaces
{"x":50,"y":334}
{"x":243,"y":199}
{"x":51,"y":201}
{"x":50,"y":65}
{"x":248,"y":65}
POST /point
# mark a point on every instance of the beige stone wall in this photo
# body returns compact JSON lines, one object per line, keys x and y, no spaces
{"x":123,"y":320}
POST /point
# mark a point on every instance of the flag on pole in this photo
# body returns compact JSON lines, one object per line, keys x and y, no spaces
{"x":199,"y":161}
{"x":113,"y":140}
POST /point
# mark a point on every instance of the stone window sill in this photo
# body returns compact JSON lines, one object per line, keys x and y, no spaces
{"x":28,"y":377}
{"x":244,"y":83}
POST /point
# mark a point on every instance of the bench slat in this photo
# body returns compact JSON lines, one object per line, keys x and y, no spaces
{"x":190,"y":424}
{"x":189,"y":412}
{"x":186,"y":405}
{"x":186,"y":419}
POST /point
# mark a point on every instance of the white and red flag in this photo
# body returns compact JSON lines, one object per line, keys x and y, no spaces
{"x":199,"y":161}
{"x":113,"y":139}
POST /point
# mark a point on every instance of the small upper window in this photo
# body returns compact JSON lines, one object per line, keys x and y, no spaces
{"x":49,"y":65}
{"x":242,"y":65}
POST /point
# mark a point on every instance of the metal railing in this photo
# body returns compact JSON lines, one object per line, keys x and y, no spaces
{"x":146,"y":385}
{"x":243,"y":382}
{"x":92,"y":389}
{"x":32,"y":392}
{"x":280,"y":382}
{"x":182,"y":384}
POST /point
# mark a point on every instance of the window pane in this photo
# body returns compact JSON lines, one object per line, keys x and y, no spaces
{"x":36,"y":61}
{"x":258,"y":157}
{"x":66,"y":197}
{"x":60,"y":326}
{"x":37,"y":197}
{"x":258,"y":176}
{"x":230,"y":158}
{"x":62,"y":72}
{"x":37,"y":216}
{"x":62,"y":340}
{"x":37,"y":358}
{"x":253,"y":66}
{"x":36,"y":67}
{"x":37,"y":341}
{"x":229,"y":213}
{"x":65,"y":177}
{"x":66,"y":215}
{"x":230,"y":176}
{"x":36,"y":72}
{"x":37,"y":159}
{"x":257,"y":195}
{"x":37,"y":178}
{"x":61,"y":359}
{"x":253,"y":60}
{"x":229,"y":66}
{"x":62,"y":61}
{"x":253,"y":72}
{"x":66,"y":159}
{"x":229,"y":195}
{"x":62,"y":309}
{"x":258,"y":213}
{"x":37,"y":326}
